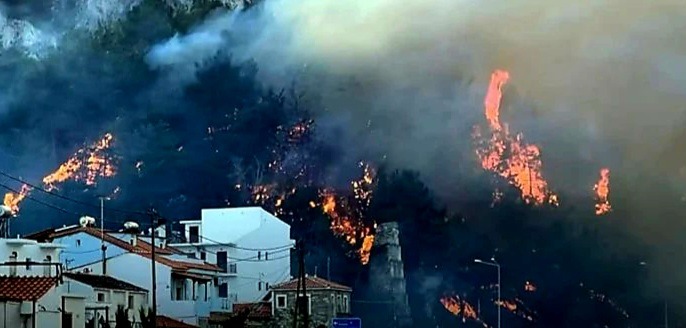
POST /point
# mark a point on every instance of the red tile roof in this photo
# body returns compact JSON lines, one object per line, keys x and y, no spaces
{"x":167,"y":322}
{"x":312,"y":283}
{"x":25,"y":288}
{"x":261,"y":310}
{"x":142,"y":248}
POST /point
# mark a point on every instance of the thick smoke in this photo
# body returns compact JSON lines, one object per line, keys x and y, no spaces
{"x":598,"y":83}
{"x":598,"y":72}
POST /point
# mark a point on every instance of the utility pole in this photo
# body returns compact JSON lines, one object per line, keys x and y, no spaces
{"x":493,"y":263}
{"x":666,"y":316}
{"x":328,"y":268}
{"x":103,"y":247}
{"x":153,"y":225}
{"x":302,"y":281}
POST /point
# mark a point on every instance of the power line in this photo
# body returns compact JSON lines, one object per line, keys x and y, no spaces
{"x":231,"y":245}
{"x":39,"y":201}
{"x":52,"y":193}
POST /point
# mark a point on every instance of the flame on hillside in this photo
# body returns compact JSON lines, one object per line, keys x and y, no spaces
{"x":87,"y":164}
{"x":346,"y":220}
{"x":602,"y":190}
{"x":508,"y":155}
{"x":12,"y":200}
{"x":461,"y":308}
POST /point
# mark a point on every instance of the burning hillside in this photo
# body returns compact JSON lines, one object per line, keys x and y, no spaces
{"x":86,"y":165}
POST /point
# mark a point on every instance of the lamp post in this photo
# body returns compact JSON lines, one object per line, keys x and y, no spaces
{"x":495,"y":264}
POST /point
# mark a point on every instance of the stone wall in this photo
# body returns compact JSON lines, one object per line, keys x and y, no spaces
{"x":323,"y":308}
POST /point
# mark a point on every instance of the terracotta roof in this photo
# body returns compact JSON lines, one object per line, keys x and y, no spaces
{"x":167,"y":322}
{"x":312,"y":283}
{"x":142,"y":248}
{"x":261,"y":310}
{"x":105,"y":282}
{"x":25,"y":288}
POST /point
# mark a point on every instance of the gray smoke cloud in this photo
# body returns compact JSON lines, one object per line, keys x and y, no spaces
{"x":594,"y":83}
{"x":400,"y":73}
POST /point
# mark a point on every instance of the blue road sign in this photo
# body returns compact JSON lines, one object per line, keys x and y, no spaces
{"x":346,"y":323}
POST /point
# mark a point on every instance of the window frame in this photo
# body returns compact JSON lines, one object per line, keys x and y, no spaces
{"x":285,"y":301}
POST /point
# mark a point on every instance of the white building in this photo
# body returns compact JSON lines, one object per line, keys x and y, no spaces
{"x":186,"y":288}
{"x":40,"y":259}
{"x":248,"y":243}
{"x":105,"y":294}
{"x":39,"y":302}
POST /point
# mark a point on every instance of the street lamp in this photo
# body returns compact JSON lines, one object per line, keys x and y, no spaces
{"x":493,"y":263}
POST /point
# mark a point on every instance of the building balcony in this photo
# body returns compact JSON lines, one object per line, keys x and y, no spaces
{"x":221,"y":304}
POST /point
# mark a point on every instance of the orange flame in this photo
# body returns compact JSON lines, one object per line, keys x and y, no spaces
{"x":12,"y":200}
{"x":509,"y":156}
{"x":349,"y":225}
{"x":457,"y":307}
{"x":85,"y":165}
{"x":602,"y":190}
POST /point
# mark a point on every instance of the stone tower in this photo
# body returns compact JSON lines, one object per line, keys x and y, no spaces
{"x":387,"y":277}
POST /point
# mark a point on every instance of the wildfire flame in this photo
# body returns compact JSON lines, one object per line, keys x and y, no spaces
{"x":459,"y":307}
{"x":85,"y":165}
{"x":12,"y":200}
{"x":602,"y":190}
{"x":507,"y":155}
{"x":346,"y":222}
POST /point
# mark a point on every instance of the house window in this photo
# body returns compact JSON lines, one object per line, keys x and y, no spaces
{"x":131,"y":303}
{"x":233,"y":268}
{"x":266,"y":286}
{"x":179,"y":293}
{"x":101,"y":297}
{"x":259,"y":285}
{"x":13,"y":268}
{"x":221,"y":260}
{"x":28,"y":263}
{"x":266,"y":256}
{"x":224,"y":290}
{"x":339,"y":304}
{"x":280,"y":301}
{"x":194,"y":234}
{"x":345,"y":304}
{"x":78,"y":242}
{"x":203,"y":256}
{"x":259,"y":255}
{"x":47,"y":269}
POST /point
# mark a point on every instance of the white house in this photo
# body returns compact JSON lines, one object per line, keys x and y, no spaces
{"x":186,"y":288}
{"x":40,"y":259}
{"x":105,"y":294}
{"x":251,"y":245}
{"x":39,"y":302}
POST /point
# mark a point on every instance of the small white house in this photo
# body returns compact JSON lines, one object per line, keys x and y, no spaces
{"x":39,"y":302}
{"x":105,"y":294}
{"x":249,"y":244}
{"x":39,"y":259}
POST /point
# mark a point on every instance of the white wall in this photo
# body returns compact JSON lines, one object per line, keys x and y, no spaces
{"x":28,"y":249}
{"x":246,"y":227}
{"x":82,"y":248}
{"x":136,"y":270}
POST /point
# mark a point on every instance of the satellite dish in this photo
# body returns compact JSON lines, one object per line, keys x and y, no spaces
{"x":5,"y":212}
{"x":87,"y":221}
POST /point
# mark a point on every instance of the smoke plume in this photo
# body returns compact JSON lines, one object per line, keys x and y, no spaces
{"x":598,"y":83}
